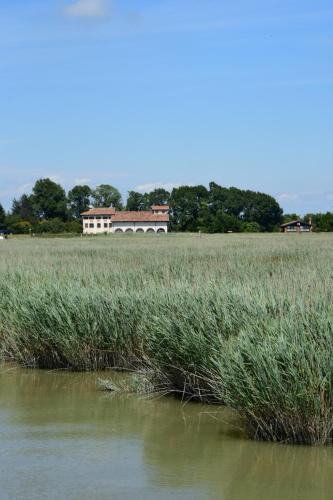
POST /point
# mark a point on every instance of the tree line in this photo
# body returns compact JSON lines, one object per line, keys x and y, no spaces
{"x":216,"y":209}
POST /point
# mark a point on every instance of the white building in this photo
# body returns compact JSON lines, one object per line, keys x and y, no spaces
{"x":110,"y":220}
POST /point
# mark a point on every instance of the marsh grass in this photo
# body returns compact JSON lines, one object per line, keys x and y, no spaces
{"x":240,"y":319}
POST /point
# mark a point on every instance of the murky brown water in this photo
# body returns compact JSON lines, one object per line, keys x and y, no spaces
{"x":61,"y":438}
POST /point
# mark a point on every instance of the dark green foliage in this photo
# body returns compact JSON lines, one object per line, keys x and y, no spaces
{"x":138,"y":201}
{"x":290,"y":217}
{"x":321,"y":222}
{"x":220,"y":210}
{"x":57,"y":226}
{"x":21,"y":227}
{"x":106,"y":195}
{"x":2,"y":217}
{"x":79,"y":200}
{"x":186,"y":203}
{"x":23,"y":208}
{"x":49,"y":200}
{"x":159,"y":197}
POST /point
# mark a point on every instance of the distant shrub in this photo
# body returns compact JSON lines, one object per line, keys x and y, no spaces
{"x":57,"y":226}
{"x":251,"y":227}
{"x":50,"y":226}
{"x":22,"y":227}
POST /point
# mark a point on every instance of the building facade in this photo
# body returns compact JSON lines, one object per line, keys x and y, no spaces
{"x":110,"y":220}
{"x":296,"y":226}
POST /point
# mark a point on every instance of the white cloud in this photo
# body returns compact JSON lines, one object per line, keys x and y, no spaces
{"x":13,"y":191}
{"x":288,"y":197}
{"x":55,"y":178}
{"x":87,"y":8}
{"x":150,"y":186}
{"x":83,"y":180}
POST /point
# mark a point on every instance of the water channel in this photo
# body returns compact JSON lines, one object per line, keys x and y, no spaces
{"x":63,"y":438}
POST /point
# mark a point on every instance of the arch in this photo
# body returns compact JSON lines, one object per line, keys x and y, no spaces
{"x":150,"y":230}
{"x":161,"y":230}
{"x":139,"y":230}
{"x":129,"y":230}
{"x":118,"y":230}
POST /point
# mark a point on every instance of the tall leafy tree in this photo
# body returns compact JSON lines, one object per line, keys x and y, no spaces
{"x":159,"y":197}
{"x":23,"y":208}
{"x":263,"y":209}
{"x":137,"y":201}
{"x":49,"y":200}
{"x":186,"y":204}
{"x":106,"y":195}
{"x":224,"y":222}
{"x":79,"y":200}
{"x":321,"y":222}
{"x":2,"y":217}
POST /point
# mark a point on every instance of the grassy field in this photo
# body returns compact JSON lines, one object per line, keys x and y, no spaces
{"x":246,"y":320}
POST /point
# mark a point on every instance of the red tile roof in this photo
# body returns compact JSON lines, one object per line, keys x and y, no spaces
{"x":160,"y":207}
{"x":100,"y":211}
{"x":139,"y":217}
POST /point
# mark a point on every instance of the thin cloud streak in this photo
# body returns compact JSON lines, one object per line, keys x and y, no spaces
{"x":151,"y":186}
{"x":87,"y":9}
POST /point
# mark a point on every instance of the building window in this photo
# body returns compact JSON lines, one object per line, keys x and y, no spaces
{"x":105,"y":224}
{"x":91,"y":225}
{"x":104,"y":218}
{"x":110,"y":225}
{"x":98,"y":225}
{"x":86,"y":225}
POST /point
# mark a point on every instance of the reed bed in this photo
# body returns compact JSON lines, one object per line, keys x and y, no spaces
{"x":246,"y":320}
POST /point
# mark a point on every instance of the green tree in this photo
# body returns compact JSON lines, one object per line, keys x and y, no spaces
{"x":2,"y":217}
{"x":106,"y":195}
{"x":158,"y":197}
{"x":246,"y":206}
{"x":321,"y":222}
{"x":137,"y":201}
{"x":290,"y":217}
{"x":224,"y":222}
{"x":21,"y":227}
{"x":23,"y":208}
{"x":263,"y":209}
{"x":79,"y":200}
{"x":55,"y":225}
{"x":186,"y":204}
{"x":49,"y":200}
{"x":250,"y":227}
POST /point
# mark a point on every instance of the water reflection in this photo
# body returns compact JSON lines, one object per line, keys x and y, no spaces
{"x":62,"y":438}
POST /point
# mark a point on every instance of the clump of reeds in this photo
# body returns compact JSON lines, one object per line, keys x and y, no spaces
{"x":279,"y":375}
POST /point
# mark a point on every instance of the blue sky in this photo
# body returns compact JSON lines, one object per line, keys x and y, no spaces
{"x":167,"y":92}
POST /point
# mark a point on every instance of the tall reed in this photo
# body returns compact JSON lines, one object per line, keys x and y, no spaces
{"x":240,"y":319}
